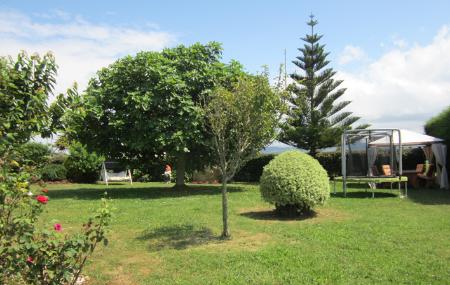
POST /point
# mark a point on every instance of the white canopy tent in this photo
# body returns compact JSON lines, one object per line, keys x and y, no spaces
{"x":409,"y":138}
{"x":277,"y":147}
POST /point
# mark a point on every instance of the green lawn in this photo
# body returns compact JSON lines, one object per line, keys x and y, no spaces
{"x":162,"y":236}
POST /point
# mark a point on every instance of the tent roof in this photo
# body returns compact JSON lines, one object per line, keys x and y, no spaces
{"x":408,"y":138}
{"x":278,"y":147}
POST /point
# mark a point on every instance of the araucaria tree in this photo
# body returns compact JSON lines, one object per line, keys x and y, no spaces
{"x":242,"y":120}
{"x":315,"y":119}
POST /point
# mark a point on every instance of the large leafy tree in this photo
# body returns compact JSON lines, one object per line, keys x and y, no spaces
{"x":242,"y":120}
{"x":148,"y":105}
{"x":316,"y":118}
{"x":25,"y":85}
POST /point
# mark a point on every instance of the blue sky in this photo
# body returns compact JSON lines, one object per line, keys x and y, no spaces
{"x":392,"y":56}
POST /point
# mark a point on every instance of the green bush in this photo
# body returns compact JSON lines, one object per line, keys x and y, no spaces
{"x":82,"y":166}
{"x":53,"y":172}
{"x":32,"y":154}
{"x":331,"y":161}
{"x":252,"y":170}
{"x":58,"y":158}
{"x":295,"y":183}
{"x":439,"y":126}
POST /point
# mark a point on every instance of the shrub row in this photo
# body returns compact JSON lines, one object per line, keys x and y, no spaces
{"x":38,"y":160}
{"x":331,"y":161}
{"x":252,"y":170}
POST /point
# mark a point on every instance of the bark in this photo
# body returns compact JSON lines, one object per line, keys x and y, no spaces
{"x":226,"y":230}
{"x":181,"y":169}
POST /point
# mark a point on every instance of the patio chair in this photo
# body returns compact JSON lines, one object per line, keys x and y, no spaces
{"x":427,"y":176}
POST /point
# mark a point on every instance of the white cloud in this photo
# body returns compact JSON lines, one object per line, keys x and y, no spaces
{"x":350,"y":54}
{"x":81,"y":47}
{"x":400,"y":43}
{"x":403,"y":88}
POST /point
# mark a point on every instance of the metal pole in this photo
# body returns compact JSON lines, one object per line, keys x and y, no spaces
{"x":343,"y":164}
{"x":391,"y":151}
{"x":400,"y":163}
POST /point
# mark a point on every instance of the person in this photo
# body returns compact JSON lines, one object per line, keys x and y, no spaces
{"x":167,"y":173}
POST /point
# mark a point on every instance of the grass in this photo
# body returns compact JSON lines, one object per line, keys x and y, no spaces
{"x":162,"y":236}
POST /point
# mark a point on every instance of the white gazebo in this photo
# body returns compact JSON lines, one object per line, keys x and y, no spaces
{"x":436,"y":147}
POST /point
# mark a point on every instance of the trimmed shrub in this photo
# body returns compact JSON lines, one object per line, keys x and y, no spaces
{"x":253,"y":169}
{"x":295,"y":183}
{"x":53,"y":172}
{"x":82,"y":166}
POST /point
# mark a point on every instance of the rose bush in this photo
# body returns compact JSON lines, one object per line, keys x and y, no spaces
{"x":32,"y":255}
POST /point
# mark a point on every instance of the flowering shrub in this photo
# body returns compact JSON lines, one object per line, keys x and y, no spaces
{"x":33,"y":256}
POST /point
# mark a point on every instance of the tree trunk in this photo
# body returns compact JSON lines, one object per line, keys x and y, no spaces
{"x":181,"y":169}
{"x":226,"y":231}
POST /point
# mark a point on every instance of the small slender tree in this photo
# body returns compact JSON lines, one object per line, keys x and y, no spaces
{"x":315,"y":119}
{"x":242,"y":120}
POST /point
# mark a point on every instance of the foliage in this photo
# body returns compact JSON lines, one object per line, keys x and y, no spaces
{"x":439,"y":126}
{"x":315,"y":119}
{"x":33,"y":256}
{"x":58,"y":158}
{"x":53,"y":172}
{"x":331,"y":161}
{"x":295,"y":183}
{"x":32,"y":154}
{"x":82,"y":166}
{"x":25,"y":84}
{"x":146,"y":105}
{"x":252,"y":170}
{"x":241,"y":121}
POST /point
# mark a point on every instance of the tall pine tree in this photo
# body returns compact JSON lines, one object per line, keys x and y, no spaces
{"x":315,"y":120}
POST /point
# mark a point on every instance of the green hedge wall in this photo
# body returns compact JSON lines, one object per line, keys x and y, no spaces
{"x":252,"y":170}
{"x":331,"y":161}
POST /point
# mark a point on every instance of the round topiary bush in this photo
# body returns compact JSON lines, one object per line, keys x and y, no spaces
{"x":295,"y":183}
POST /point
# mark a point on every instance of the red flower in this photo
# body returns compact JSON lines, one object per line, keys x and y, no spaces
{"x":42,"y":199}
{"x":45,"y":190}
{"x":30,"y":259}
{"x":57,"y":227}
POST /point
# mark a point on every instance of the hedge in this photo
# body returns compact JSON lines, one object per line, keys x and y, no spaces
{"x":252,"y":170}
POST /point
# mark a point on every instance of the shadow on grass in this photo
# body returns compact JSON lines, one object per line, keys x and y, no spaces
{"x":430,"y":196}
{"x":177,"y":237}
{"x":271,"y":215}
{"x":150,"y":192}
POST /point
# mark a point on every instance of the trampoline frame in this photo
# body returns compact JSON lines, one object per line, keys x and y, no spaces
{"x":372,"y":179}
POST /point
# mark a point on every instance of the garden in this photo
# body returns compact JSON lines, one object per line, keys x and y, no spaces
{"x":161,"y":236}
{"x":226,"y":213}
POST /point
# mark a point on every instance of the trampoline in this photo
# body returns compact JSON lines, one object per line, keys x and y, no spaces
{"x":363,"y":156}
{"x":375,"y":180}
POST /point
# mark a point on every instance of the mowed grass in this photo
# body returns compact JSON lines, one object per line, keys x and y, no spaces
{"x":163,"y":236}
